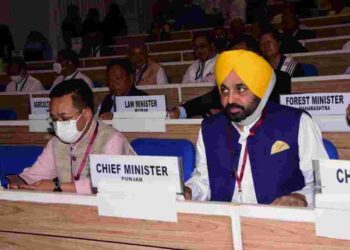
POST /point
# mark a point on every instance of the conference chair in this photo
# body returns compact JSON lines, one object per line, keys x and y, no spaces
{"x":98,"y":84}
{"x":15,"y":158}
{"x":331,"y":149}
{"x":309,"y":69}
{"x":168,"y":147}
{"x":8,"y":114}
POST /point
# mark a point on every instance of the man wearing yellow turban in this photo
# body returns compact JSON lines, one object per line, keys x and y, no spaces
{"x":255,"y":151}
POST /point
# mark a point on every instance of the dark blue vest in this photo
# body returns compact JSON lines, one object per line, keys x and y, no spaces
{"x":274,"y":175}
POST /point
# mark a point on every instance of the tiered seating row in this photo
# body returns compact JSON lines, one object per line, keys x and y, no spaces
{"x":176,"y":129}
{"x":313,"y":23}
{"x":175,"y":94}
{"x":179,"y":93}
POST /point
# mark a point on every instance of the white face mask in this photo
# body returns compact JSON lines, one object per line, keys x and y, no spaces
{"x":67,"y":130}
{"x":17,"y":78}
{"x":57,"y":68}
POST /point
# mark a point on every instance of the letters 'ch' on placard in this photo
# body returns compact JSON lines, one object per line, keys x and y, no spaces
{"x":332,"y":199}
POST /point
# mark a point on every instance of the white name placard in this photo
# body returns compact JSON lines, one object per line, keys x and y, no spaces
{"x":332,"y":176}
{"x":165,"y":171}
{"x":318,"y":103}
{"x":40,"y":105}
{"x":140,"y":106}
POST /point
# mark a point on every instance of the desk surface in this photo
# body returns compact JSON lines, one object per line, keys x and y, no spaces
{"x":74,"y":222}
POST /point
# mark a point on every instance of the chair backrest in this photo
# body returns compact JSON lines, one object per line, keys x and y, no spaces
{"x":331,"y":149}
{"x":310,"y":69}
{"x":15,"y":158}
{"x":168,"y":147}
{"x":8,"y":114}
{"x":97,"y":84}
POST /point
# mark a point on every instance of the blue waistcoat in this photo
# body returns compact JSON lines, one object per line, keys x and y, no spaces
{"x":274,"y":175}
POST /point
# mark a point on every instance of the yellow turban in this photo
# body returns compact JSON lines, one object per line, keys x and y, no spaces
{"x":252,"y":69}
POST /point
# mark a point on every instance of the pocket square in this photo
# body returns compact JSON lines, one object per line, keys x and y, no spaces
{"x":279,"y":146}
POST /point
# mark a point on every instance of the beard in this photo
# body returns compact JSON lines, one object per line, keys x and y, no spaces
{"x":243,"y":112}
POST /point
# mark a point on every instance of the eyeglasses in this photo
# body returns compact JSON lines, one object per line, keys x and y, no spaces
{"x":65,"y":121}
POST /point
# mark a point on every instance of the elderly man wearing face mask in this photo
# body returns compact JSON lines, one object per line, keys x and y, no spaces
{"x":255,"y":151}
{"x":64,"y":163}
{"x":66,"y":67}
{"x":21,"y":81}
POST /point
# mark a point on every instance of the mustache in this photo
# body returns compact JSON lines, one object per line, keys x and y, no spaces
{"x":233,"y":105}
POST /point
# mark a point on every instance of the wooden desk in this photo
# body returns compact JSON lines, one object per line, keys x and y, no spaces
{"x":325,"y":20}
{"x":326,"y":44}
{"x":175,"y":94}
{"x":333,"y":62}
{"x":72,"y":222}
{"x":330,"y":31}
{"x":17,"y":132}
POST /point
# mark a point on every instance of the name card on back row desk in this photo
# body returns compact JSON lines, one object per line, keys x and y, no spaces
{"x":152,"y":106}
{"x":138,"y":187}
{"x":332,"y":198}
{"x":318,"y":103}
{"x":40,"y":109}
{"x":140,"y":114}
{"x":40,"y":105}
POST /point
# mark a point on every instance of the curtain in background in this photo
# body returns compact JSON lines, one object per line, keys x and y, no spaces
{"x":58,"y":11}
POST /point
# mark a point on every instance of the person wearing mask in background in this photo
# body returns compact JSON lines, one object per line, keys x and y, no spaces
{"x":146,"y":71}
{"x":120,"y":83}
{"x":220,"y":39}
{"x":288,"y":44}
{"x":63,"y":166}
{"x":236,"y":28}
{"x":93,"y":44}
{"x":291,"y":26}
{"x":114,"y":24}
{"x":37,"y":47}
{"x":202,"y":70}
{"x":270,"y":44}
{"x":66,"y":67}
{"x":21,"y":80}
{"x":91,"y":21}
{"x":71,"y":25}
{"x":191,"y":16}
{"x":160,"y":31}
{"x":255,"y":151}
{"x":209,"y":103}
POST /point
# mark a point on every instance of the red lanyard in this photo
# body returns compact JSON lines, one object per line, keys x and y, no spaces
{"x":239,"y":177}
{"x":86,"y":155}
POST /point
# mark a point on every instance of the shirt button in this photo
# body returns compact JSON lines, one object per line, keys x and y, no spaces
{"x":74,"y":158}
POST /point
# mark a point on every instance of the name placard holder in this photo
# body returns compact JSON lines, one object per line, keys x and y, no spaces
{"x":140,"y":114}
{"x":39,"y":114}
{"x":332,"y":199}
{"x":153,"y":203}
{"x":318,"y":103}
{"x":137,"y":187}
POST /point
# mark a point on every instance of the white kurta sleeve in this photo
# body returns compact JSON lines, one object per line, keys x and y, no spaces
{"x":190,"y":75}
{"x":161,"y":77}
{"x":199,"y":181}
{"x":310,"y":148}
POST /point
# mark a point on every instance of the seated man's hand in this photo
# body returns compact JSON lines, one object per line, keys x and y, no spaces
{"x":348,"y":114}
{"x":42,"y":185}
{"x":106,"y":116}
{"x":174,"y":113}
{"x":188,"y":193}
{"x":215,"y":111}
{"x":292,"y":200}
{"x":15,"y":181}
